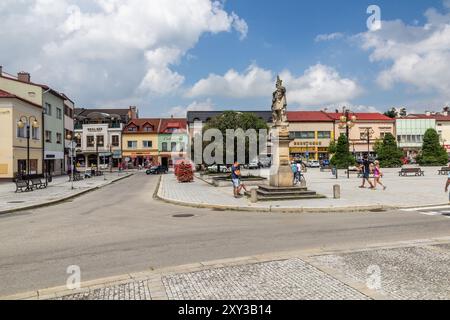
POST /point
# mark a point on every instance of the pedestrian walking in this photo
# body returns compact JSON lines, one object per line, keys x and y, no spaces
{"x":294,"y":169}
{"x":236,"y":179}
{"x":366,"y":170}
{"x":377,"y":175}
{"x":447,"y":185}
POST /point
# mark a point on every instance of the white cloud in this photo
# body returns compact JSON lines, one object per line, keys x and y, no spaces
{"x":104,"y":50}
{"x":180,"y":112}
{"x":329,"y":37}
{"x":319,"y":85}
{"x":416,"y":55}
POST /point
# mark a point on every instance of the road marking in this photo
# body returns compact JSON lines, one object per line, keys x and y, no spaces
{"x":436,"y":212}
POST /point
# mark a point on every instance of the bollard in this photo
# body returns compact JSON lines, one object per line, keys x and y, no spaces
{"x":254,"y":195}
{"x":337,"y":191}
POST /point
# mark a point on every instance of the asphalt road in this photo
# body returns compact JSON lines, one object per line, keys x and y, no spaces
{"x":121,"y":229}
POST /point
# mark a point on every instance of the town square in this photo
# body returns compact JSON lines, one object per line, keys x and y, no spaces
{"x":150,"y":161}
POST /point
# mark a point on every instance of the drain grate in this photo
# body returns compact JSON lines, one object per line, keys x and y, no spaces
{"x":183,"y":215}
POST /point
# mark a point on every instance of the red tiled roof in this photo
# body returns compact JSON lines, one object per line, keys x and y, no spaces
{"x":5,"y":94}
{"x":364,"y":116}
{"x":172,"y":123}
{"x":438,"y":117}
{"x":140,"y":123}
{"x":309,"y":116}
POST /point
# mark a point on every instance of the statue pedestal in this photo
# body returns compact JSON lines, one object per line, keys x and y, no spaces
{"x":281,"y":174}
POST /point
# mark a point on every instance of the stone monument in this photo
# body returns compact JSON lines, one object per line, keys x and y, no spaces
{"x":281,"y":174}
{"x":281,"y":177}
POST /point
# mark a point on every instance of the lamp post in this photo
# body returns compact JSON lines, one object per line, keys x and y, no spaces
{"x":368,"y":134}
{"x":28,"y":122}
{"x":77,"y":136}
{"x":347,"y":121}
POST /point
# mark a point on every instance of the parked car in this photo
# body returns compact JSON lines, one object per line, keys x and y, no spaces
{"x":265,"y":163}
{"x":314,"y":164}
{"x":253,"y":165}
{"x":157,"y":170}
{"x":222,"y":168}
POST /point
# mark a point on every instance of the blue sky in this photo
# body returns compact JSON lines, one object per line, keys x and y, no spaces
{"x":169,"y":57}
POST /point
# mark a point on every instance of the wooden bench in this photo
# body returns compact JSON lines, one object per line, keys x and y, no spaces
{"x":22,"y":186}
{"x":404,"y":172}
{"x":444,"y":171}
{"x":38,"y":184}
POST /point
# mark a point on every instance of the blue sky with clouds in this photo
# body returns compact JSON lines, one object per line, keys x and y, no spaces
{"x":171,"y":56}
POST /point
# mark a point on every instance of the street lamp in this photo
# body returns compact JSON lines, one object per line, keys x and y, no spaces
{"x":28,"y":122}
{"x":367,"y":135}
{"x":72,"y":139}
{"x":347,"y":121}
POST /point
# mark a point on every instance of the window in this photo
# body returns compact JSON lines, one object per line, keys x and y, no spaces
{"x":132,"y":144}
{"x":132,"y":129}
{"x":303,"y":135}
{"x":115,"y":141}
{"x":100,"y":141}
{"x":68,"y":112}
{"x":164,"y":147}
{"x":148,"y":128}
{"x":147,"y":144}
{"x":48,"y":109}
{"x":21,"y":132}
{"x":90,"y":141}
{"x":58,"y":138}
{"x":48,"y":136}
{"x":58,"y":113}
{"x":324,"y":135}
{"x":173,"y":146}
{"x":35,"y":133}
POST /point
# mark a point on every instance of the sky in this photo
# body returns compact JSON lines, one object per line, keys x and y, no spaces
{"x":170,"y":56}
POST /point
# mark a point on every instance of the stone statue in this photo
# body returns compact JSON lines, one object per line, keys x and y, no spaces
{"x":279,"y":104}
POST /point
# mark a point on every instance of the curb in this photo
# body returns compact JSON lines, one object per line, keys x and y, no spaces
{"x":158,"y":291}
{"x":275,"y":209}
{"x":58,"y":201}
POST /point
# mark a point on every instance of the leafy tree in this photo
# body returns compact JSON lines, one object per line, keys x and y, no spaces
{"x":388,"y":152}
{"x":343,"y":158}
{"x":332,"y":147}
{"x":235,"y":120}
{"x":391,"y":113}
{"x":432,"y":154}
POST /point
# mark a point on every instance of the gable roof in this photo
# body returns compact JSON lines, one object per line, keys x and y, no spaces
{"x":309,"y":116}
{"x":180,"y":124}
{"x":203,"y":116}
{"x":5,"y":94}
{"x":140,"y":124}
{"x":437,"y":117}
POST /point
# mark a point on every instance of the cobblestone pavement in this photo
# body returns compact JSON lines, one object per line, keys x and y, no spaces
{"x":405,"y":273}
{"x":138,"y":290}
{"x":430,"y":192}
{"x":291,"y":279}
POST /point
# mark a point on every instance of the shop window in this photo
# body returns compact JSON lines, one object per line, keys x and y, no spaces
{"x":90,"y":142}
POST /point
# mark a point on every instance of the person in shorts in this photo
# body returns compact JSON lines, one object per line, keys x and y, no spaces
{"x":366,"y":167}
{"x":236,"y":179}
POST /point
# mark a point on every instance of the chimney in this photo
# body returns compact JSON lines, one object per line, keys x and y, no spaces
{"x":24,"y":77}
{"x":132,"y":113}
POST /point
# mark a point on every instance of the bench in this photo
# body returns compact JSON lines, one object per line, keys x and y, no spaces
{"x":404,"y":172}
{"x":76,"y":177}
{"x":325,"y":168}
{"x":353,"y":171}
{"x":38,"y":184}
{"x":444,"y":171}
{"x":22,"y":186}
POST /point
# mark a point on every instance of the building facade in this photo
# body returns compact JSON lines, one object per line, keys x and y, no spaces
{"x":54,"y":139}
{"x":140,"y":142}
{"x":311,"y":133}
{"x":173,"y":141}
{"x":367,"y":129}
{"x":69,"y":107}
{"x":100,"y":131}
{"x":14,"y":147}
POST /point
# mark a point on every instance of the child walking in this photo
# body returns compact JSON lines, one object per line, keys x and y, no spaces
{"x":377,"y":175}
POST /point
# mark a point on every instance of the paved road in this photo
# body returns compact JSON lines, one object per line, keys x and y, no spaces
{"x":121,"y":229}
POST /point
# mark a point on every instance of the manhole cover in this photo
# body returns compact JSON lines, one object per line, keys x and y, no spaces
{"x":183,"y":215}
{"x":16,"y":202}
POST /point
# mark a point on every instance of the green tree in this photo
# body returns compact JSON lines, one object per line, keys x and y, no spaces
{"x":332,"y":148}
{"x":432,"y":154}
{"x":391,"y":113}
{"x":343,"y":158}
{"x":235,"y":120}
{"x":388,"y":152}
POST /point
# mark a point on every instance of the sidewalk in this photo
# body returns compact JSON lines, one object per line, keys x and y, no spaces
{"x":340,"y":274}
{"x":402,"y":192}
{"x":59,"y":189}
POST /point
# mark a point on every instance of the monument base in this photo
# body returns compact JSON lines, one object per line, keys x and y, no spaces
{"x":282,"y":178}
{"x":268,"y":193}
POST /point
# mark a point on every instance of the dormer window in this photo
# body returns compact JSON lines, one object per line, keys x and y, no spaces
{"x":148,"y":128}
{"x":132,"y":129}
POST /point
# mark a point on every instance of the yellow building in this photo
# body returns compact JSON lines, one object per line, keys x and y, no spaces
{"x":13,"y":136}
{"x":140,"y":141}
